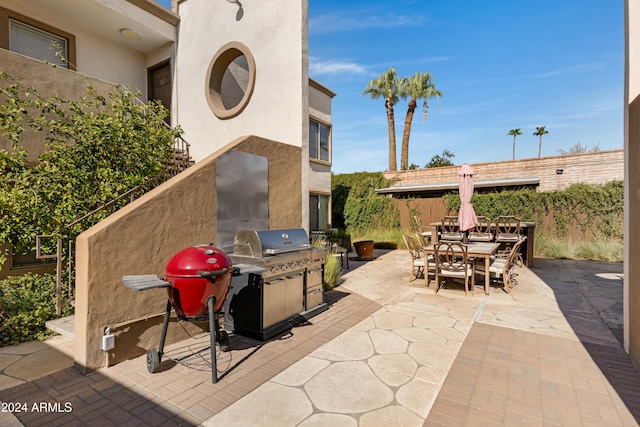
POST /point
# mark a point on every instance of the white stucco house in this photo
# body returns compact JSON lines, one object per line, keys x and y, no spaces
{"x":235,"y":78}
{"x":224,"y":70}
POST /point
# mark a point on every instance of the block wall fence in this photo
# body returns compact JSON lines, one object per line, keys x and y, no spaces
{"x":596,"y":167}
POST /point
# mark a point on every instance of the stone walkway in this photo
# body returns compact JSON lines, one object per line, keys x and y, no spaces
{"x":387,"y":352}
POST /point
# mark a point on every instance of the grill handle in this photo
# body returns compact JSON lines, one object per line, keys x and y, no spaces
{"x":212,"y":274}
{"x":272,"y":251}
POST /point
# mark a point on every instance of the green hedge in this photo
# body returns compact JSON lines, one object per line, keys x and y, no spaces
{"x":594,"y":210}
{"x":371,"y":213}
{"x":597,"y":210}
{"x":358,"y":208}
{"x":357,"y":185}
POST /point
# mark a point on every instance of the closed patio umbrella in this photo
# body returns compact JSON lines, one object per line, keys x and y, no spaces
{"x":466,"y":216}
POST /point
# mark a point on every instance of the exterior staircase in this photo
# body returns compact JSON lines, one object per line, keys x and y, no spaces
{"x":64,"y":326}
{"x":180,"y":161}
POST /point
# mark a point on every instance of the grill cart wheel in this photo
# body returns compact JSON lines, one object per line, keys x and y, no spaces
{"x":153,"y":360}
{"x":223,"y":340}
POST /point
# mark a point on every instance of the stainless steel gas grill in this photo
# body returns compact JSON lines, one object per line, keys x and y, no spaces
{"x":280,"y":282}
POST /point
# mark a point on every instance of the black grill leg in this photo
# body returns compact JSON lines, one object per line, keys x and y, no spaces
{"x":165,"y":326}
{"x":212,"y":335}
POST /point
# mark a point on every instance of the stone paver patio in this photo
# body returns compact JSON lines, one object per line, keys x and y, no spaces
{"x":387,"y":352}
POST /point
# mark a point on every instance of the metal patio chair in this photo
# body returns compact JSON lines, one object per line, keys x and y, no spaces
{"x":452,"y":262}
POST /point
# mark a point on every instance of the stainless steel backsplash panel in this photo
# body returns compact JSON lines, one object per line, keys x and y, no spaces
{"x":242,"y":185}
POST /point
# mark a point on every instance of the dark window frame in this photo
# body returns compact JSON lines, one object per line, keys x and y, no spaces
{"x":315,"y":142}
{"x":316,"y":212}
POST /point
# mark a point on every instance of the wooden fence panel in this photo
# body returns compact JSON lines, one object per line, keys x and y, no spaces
{"x":428,"y":209}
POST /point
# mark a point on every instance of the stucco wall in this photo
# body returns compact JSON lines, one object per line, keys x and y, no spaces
{"x":143,"y":236}
{"x":96,"y":56}
{"x":275,"y":34}
{"x":48,"y":81}
{"x":591,"y":168}
{"x":319,"y":109}
{"x":632,"y":236}
{"x":632,"y":181}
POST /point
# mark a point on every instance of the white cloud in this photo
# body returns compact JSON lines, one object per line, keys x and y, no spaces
{"x":319,"y":67}
{"x":350,"y":20}
{"x":582,"y":68}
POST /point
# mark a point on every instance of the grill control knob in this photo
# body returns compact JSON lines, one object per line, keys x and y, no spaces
{"x":274,"y":269}
{"x":283,"y":267}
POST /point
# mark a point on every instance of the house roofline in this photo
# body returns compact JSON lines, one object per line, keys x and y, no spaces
{"x":510,"y":182}
{"x":314,"y":84}
{"x":156,"y":10}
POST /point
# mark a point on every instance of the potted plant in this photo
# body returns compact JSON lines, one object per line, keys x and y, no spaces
{"x":364,"y":249}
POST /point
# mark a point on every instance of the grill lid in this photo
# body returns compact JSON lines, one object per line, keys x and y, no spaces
{"x":189,"y":261}
{"x":260,"y":243}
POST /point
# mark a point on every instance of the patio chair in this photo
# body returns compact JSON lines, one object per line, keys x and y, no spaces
{"x":503,"y":268}
{"x":482,"y":231}
{"x":507,"y":233}
{"x":430,"y":267}
{"x":507,"y":229}
{"x":452,"y":262}
{"x":418,"y":262}
{"x":343,"y":249}
{"x":451,"y":230}
{"x":422,"y":240}
{"x":423,"y":230}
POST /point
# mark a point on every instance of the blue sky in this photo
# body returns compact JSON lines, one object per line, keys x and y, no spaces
{"x":500,"y":64}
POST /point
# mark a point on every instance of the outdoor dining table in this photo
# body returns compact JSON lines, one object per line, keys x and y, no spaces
{"x":526,"y":229}
{"x":475,"y":250}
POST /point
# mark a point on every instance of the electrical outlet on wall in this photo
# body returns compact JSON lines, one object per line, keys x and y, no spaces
{"x":108,"y":342}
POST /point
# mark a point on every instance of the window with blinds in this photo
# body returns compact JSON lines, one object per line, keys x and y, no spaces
{"x":37,"y":44}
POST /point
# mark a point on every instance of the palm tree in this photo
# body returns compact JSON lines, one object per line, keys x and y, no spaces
{"x":386,"y":86}
{"x":514,"y":132}
{"x":540,"y":130}
{"x":418,"y":86}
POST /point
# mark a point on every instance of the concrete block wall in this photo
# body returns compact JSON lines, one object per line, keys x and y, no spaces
{"x":590,"y":168}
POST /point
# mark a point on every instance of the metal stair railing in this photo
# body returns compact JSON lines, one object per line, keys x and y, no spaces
{"x":181,"y":159}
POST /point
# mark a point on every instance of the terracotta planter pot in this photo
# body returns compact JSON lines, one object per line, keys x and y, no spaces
{"x":364,"y":249}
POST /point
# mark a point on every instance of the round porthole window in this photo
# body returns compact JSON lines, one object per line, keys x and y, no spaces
{"x":230,"y":80}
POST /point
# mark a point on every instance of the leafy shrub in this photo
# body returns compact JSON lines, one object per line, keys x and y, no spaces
{"x":98,"y":147}
{"x":26,"y":303}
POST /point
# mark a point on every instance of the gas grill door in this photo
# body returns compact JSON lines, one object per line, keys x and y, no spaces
{"x":273,"y":304}
{"x":294,"y":294}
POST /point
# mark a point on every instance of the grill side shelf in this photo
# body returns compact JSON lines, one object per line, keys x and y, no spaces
{"x":144,"y":282}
